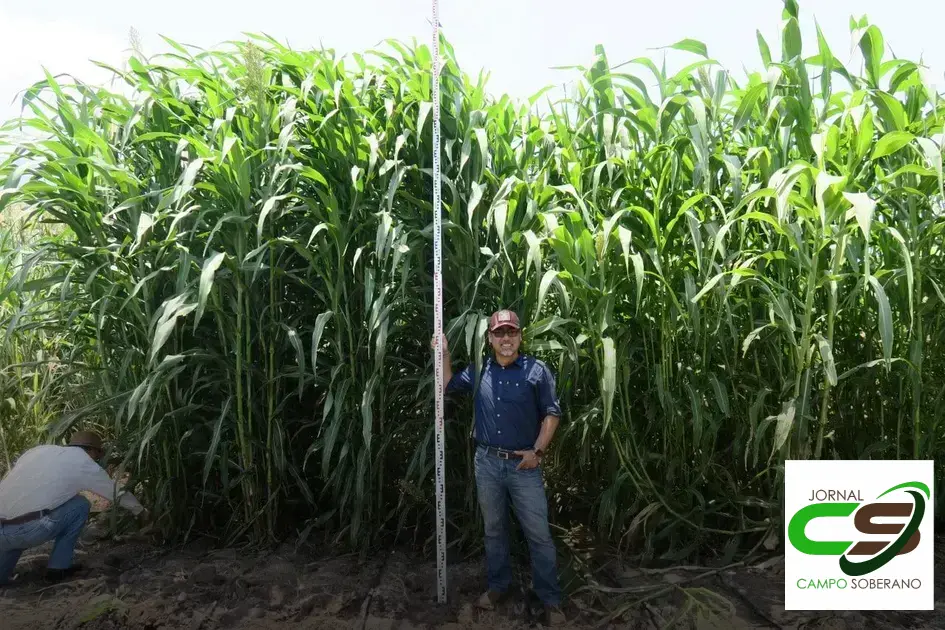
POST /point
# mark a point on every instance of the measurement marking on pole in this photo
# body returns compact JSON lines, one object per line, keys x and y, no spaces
{"x":438,"y":321}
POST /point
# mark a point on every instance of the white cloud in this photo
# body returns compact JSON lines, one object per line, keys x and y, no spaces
{"x":28,"y":44}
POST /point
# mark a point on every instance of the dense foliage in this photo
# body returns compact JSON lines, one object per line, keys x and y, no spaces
{"x":229,"y":269}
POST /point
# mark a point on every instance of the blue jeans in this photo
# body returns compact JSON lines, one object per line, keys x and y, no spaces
{"x":496,"y":481}
{"x":63,"y":524}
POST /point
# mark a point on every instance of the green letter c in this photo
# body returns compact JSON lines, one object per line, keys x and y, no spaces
{"x":797,"y":528}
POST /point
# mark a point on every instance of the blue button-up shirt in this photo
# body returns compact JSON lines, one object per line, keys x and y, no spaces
{"x":511,"y":401}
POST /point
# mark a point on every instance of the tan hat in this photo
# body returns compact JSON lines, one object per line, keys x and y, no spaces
{"x":88,"y":439}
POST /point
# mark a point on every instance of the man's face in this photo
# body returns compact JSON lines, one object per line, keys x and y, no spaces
{"x":505,"y":341}
{"x":95,"y":453}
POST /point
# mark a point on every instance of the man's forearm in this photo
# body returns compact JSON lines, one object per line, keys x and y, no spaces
{"x":97,"y":481}
{"x":447,"y":371}
{"x":131,"y":503}
{"x":548,"y":427}
{"x":444,"y":351}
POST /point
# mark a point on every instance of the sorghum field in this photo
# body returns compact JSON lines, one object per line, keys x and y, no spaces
{"x":225,"y":265}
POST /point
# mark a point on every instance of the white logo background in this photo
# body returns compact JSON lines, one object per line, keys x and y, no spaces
{"x":870,"y":479}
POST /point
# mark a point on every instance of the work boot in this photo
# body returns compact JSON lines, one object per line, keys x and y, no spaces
{"x":488,"y":600}
{"x":553,"y":617}
{"x":57,"y":575}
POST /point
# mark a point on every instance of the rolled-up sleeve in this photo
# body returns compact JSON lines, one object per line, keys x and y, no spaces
{"x":547,"y":398}
{"x":462,"y":381}
{"x":93,"y":478}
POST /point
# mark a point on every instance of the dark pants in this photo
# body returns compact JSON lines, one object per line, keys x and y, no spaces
{"x":497,"y":480}
{"x":63,"y":524}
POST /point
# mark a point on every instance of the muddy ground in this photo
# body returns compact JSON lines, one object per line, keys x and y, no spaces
{"x":128,"y":582}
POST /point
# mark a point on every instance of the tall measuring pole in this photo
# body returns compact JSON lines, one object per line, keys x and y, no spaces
{"x":438,"y":321}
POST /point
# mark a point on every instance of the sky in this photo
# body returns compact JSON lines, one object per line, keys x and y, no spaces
{"x":518,"y":41}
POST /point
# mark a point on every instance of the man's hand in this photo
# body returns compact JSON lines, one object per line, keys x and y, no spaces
{"x":444,"y":348}
{"x":529,"y":460}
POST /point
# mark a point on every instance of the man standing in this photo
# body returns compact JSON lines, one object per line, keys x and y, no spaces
{"x":40,"y":501}
{"x":516,"y":414}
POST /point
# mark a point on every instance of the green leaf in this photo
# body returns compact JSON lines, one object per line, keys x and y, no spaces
{"x":864,"y":136}
{"x":311,"y":174}
{"x":907,"y":264}
{"x":693,"y":46}
{"x":721,"y":394}
{"x":534,"y":253}
{"x":826,"y":355}
{"x":904,"y":72}
{"x":552,"y":323}
{"x":626,"y":236}
{"x":750,"y":337}
{"x":609,"y":379}
{"x":891,"y":111}
{"x":299,"y":358}
{"x":867,"y":365}
{"x":474,"y":198}
{"x":367,"y":414}
{"x":501,"y":211}
{"x":708,"y":287}
{"x":211,"y":456}
{"x":785,"y":421}
{"x":550,"y":276}
{"x":790,"y":40}
{"x":210,"y":266}
{"x":317,"y":331}
{"x":763,"y":49}
{"x":187,"y":180}
{"x":754,"y":412}
{"x":933,"y":154}
{"x":145,"y":223}
{"x":747,"y":105}
{"x":697,"y":421}
{"x":863,"y":207}
{"x":173,"y":309}
{"x":268,"y":207}
{"x":885,"y":319}
{"x":890,"y":143}
{"x":872,"y":47}
{"x":425,"y":108}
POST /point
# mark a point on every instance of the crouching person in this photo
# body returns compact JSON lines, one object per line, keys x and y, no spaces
{"x":40,"y":501}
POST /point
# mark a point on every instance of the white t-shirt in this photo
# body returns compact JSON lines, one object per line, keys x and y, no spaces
{"x":47,"y":476}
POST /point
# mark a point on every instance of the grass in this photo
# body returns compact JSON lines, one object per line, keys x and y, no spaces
{"x":36,"y":383}
{"x":723,"y":274}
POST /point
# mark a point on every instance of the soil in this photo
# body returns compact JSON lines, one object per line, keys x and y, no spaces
{"x":132,"y":583}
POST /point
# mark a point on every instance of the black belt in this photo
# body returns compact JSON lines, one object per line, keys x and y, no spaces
{"x":501,"y":453}
{"x":24,"y":518}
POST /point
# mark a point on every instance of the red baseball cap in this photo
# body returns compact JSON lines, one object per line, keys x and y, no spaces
{"x":503,"y":319}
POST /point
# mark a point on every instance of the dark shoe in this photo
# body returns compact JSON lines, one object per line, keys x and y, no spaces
{"x":57,"y":575}
{"x":488,"y":600}
{"x":553,"y":617}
